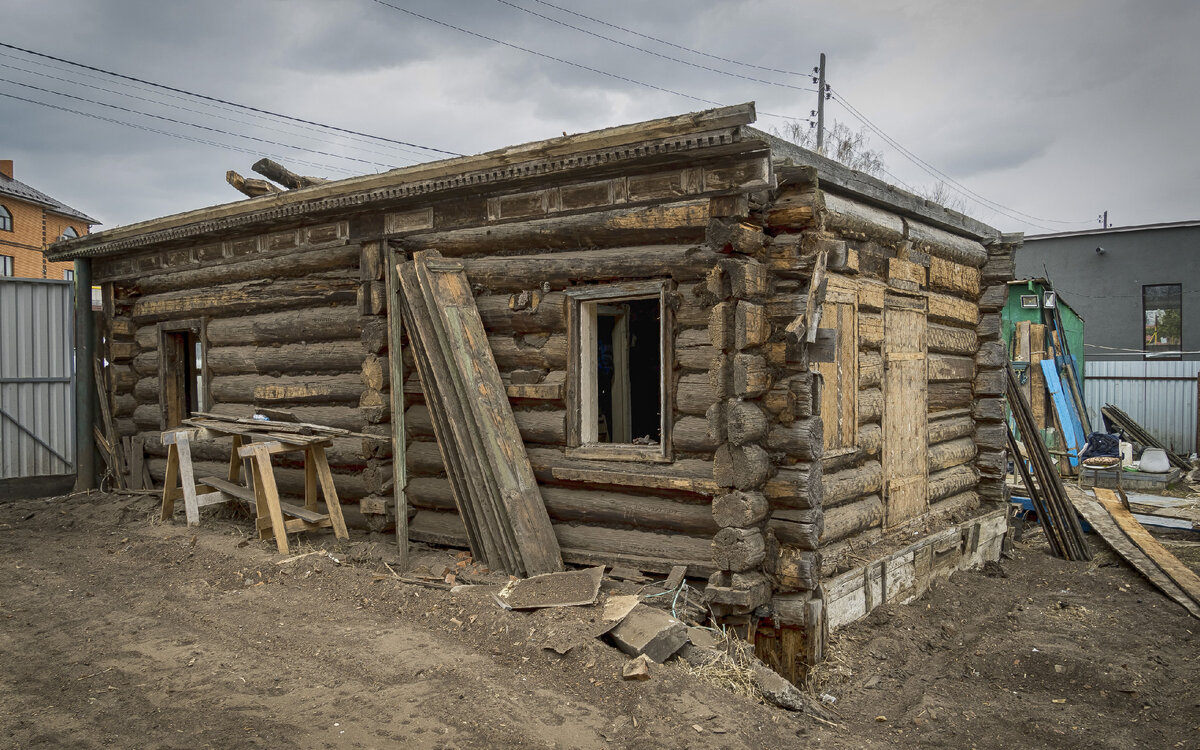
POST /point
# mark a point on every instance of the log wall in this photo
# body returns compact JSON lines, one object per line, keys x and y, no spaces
{"x":283,"y":329}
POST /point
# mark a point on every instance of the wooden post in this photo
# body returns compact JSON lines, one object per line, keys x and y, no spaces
{"x":396,"y":366}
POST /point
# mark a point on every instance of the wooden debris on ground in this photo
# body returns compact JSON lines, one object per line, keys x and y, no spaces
{"x":1045,"y":487}
{"x":493,"y":483}
{"x":1135,"y":433}
{"x":571,"y":588}
{"x":1107,"y":514}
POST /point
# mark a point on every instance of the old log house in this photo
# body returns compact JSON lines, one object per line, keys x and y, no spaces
{"x":721,"y":351}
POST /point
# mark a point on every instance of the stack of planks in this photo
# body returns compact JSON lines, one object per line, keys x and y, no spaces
{"x":1045,"y":486}
{"x":1134,"y":432}
{"x":493,"y":483}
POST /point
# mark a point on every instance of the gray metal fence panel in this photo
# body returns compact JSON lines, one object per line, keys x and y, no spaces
{"x":1159,"y":395}
{"x":37,"y":378}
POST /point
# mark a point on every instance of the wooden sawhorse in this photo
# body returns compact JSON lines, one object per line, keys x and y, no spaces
{"x":263,"y":494}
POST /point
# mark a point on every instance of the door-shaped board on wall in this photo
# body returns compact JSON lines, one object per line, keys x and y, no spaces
{"x":905,"y":403}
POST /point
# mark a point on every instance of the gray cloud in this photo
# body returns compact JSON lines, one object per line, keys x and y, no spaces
{"x":1028,"y":103}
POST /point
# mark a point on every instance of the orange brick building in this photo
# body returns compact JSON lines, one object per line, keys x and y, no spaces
{"x":29,"y":221}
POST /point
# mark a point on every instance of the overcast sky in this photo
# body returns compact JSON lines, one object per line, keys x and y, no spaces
{"x":1056,"y":110}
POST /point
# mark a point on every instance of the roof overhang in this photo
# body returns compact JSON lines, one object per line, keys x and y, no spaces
{"x":580,"y":152}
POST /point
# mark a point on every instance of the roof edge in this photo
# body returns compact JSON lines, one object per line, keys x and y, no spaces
{"x":880,"y":193}
{"x":665,"y":127}
{"x":1118,"y":230}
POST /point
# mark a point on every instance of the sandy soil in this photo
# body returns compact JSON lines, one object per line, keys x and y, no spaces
{"x":119,"y":631}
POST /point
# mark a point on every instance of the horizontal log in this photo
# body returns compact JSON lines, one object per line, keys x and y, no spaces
{"x":852,"y":219}
{"x":538,"y":352}
{"x":944,"y":245}
{"x":951,"y":481}
{"x":537,"y":427}
{"x":694,"y":351}
{"x":344,"y":389}
{"x":803,"y":536}
{"x":146,"y":363}
{"x":947,"y":396}
{"x":853,"y":483}
{"x":946,"y":368}
{"x":794,"y":207}
{"x":870,"y":405}
{"x":498,"y":316}
{"x":870,"y":330}
{"x":952,"y":453}
{"x":800,"y":488}
{"x":123,"y":405}
{"x":803,"y":439}
{"x":691,"y":435}
{"x":851,"y":519}
{"x":941,"y":430}
{"x":570,"y":505}
{"x":640,"y":550}
{"x":951,"y":340}
{"x":122,"y":377}
{"x":870,"y":369}
{"x":868,"y":443}
{"x":290,"y":265}
{"x":952,"y":310}
{"x":680,"y":222}
{"x":308,"y":324}
{"x":293,"y":359}
{"x":261,"y":295}
{"x":694,"y":394}
{"x":956,"y":278}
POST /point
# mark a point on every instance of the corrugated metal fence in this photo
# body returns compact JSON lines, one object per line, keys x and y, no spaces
{"x":37,"y":383}
{"x":1159,"y":395}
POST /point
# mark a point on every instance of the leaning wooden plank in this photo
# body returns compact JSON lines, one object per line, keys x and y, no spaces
{"x":1180,"y":574}
{"x":1098,"y":515}
{"x":1072,"y":429}
{"x":468,"y":348}
{"x":483,"y":532}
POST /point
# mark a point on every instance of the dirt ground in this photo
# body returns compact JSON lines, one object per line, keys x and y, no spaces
{"x":120,"y":631}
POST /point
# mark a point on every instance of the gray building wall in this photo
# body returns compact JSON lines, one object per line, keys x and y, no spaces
{"x":1106,"y":288}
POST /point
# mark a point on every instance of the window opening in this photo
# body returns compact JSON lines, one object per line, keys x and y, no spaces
{"x":5,"y":219}
{"x":183,"y":375}
{"x":68,"y":233}
{"x":620,"y":402}
{"x":628,"y":372}
{"x":1162,"y":320}
{"x":6,"y":265}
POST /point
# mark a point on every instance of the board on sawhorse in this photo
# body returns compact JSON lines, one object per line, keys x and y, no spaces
{"x":180,"y":480}
{"x":270,"y":511}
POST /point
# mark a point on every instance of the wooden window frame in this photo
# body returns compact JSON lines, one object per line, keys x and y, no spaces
{"x":8,"y":265}
{"x":1162,"y":351}
{"x":6,"y":219}
{"x":199,"y":328}
{"x":581,"y":302}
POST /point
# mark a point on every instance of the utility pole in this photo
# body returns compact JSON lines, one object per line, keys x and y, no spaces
{"x":1102,"y":217}
{"x":821,"y":107}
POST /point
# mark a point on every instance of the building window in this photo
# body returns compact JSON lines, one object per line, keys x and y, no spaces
{"x":68,"y":275}
{"x":619,"y":405}
{"x":68,"y":233}
{"x":6,"y":265}
{"x":182,"y":370}
{"x":5,"y":219}
{"x":1162,"y":320}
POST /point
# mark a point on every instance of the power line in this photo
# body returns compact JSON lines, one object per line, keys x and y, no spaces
{"x":180,"y":136}
{"x":176,"y":106}
{"x":1000,"y":208}
{"x":219,"y":107}
{"x":192,"y":124}
{"x":223,"y":101}
{"x":672,"y":44}
{"x":571,"y":63}
{"x":652,"y":52}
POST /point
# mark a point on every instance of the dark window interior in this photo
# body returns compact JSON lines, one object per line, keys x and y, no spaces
{"x":629,"y":372}
{"x":184,"y":370}
{"x":1162,"y":318}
